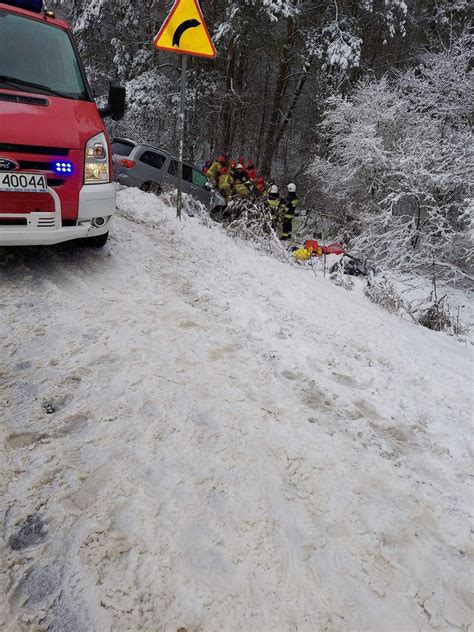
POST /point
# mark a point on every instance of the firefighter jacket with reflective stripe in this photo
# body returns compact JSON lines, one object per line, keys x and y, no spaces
{"x":290,"y":205}
{"x":226,"y":181}
{"x":274,"y":202}
{"x":242,"y":190}
{"x":213,"y":171}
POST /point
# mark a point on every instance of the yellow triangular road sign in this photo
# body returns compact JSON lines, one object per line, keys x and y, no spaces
{"x":185,"y":31}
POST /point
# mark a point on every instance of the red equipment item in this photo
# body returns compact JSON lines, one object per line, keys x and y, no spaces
{"x":331,"y":249}
{"x":222,"y":160}
{"x":312,"y":244}
{"x":334,"y":249}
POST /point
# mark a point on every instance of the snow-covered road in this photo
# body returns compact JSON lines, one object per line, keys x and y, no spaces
{"x":235,"y":444}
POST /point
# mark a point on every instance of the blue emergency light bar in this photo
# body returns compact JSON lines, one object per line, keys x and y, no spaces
{"x":29,"y":5}
{"x":63,"y":167}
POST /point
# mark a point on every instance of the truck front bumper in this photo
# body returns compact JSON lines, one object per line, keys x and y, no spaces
{"x":45,"y":229}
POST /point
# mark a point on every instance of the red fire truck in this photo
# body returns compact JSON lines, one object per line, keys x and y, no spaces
{"x":55,"y":155}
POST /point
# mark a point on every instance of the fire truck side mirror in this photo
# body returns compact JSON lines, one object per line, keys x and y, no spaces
{"x":117,"y":103}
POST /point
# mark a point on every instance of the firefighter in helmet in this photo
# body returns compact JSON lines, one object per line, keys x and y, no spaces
{"x":274,"y":203}
{"x":241,"y":174}
{"x":226,"y":183}
{"x":232,"y":168}
{"x":289,"y":206}
{"x":215,"y":169}
{"x":260,"y":185}
{"x":251,"y":171}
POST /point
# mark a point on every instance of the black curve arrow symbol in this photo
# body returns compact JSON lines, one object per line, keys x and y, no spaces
{"x":187,"y":24}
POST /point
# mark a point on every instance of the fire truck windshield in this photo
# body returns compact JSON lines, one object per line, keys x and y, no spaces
{"x":38,"y":57}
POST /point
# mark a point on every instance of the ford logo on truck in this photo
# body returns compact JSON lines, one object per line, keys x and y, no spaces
{"x":8,"y":165}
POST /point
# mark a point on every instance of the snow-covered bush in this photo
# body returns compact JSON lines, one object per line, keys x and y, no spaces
{"x":381,"y":292}
{"x":437,"y":316}
{"x":252,"y":222}
{"x":398,"y":164}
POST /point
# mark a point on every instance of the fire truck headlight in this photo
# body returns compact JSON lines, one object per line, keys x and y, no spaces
{"x":97,"y":161}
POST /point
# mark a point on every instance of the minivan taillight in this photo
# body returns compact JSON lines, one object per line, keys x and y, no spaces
{"x":128,"y":164}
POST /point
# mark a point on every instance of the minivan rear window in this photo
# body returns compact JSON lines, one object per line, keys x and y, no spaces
{"x":121,"y":148}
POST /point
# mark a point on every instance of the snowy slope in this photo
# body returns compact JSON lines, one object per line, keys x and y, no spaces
{"x":236,"y":444}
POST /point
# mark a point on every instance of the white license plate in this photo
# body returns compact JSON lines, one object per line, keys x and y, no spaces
{"x":23,"y":182}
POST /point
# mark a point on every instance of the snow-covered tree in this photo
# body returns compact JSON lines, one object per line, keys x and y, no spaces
{"x":278,"y":61}
{"x":398,"y":164}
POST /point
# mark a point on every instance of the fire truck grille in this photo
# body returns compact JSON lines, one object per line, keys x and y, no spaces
{"x":34,"y":164}
{"x":34,"y":149}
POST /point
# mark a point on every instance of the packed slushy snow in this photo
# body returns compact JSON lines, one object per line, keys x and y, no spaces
{"x":198,"y":436}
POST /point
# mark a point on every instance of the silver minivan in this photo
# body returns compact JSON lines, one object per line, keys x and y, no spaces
{"x":152,"y":169}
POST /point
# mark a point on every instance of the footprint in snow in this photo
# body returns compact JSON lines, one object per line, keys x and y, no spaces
{"x":30,"y":533}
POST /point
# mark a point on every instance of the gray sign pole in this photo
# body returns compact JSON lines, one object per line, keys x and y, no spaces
{"x":182,"y":112}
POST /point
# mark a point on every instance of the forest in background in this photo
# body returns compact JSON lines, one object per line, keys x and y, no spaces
{"x":367,"y":105}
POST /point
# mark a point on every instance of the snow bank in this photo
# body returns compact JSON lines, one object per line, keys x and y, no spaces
{"x":237,"y":444}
